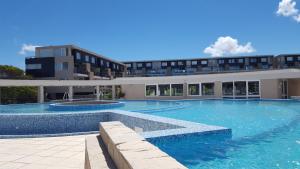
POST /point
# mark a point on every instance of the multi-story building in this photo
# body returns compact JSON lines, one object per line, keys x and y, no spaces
{"x":200,"y":65}
{"x":70,"y":62}
{"x":219,"y":77}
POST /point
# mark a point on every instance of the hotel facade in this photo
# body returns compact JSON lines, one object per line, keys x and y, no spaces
{"x":239,"y":77}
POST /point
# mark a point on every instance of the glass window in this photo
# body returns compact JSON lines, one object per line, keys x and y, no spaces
{"x":114,"y":66}
{"x":33,"y":66}
{"x":164,"y":90}
{"x":227,"y":88}
{"x":61,"y":66}
{"x":78,"y":57}
{"x":173,"y":63}
{"x":263,"y":59}
{"x":140,"y":65}
{"x":253,"y":60}
{"x":231,"y":61}
{"x":253,"y":88}
{"x":289,"y":59}
{"x":117,"y":67}
{"x":180,"y":63}
{"x":148,"y":64}
{"x":241,"y":60}
{"x":194,"y":62}
{"x":86,"y":58}
{"x":177,"y":89}
{"x":93,"y":60}
{"x":298,"y":58}
{"x":65,"y":66}
{"x":60,"y":52}
{"x":208,"y":89}
{"x":240,"y":88}
{"x":151,"y":90}
{"x":221,"y":61}
{"x":164,"y":64}
{"x":204,"y":62}
{"x":101,"y":62}
{"x":46,"y":52}
{"x":188,"y":62}
{"x":107,"y":64}
{"x":193,"y":89}
{"x":128,"y":65}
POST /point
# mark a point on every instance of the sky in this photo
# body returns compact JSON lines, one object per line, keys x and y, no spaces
{"x":150,"y":29}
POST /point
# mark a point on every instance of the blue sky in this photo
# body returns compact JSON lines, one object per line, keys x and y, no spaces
{"x":150,"y":29}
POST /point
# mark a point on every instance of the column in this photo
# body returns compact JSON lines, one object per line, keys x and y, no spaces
{"x":97,"y":92}
{"x":41,"y":94}
{"x":70,"y":92}
{"x":113,"y":92}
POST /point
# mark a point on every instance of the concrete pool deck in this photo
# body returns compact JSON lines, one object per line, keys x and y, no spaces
{"x":43,"y":153}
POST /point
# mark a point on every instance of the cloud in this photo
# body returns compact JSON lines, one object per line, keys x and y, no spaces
{"x":228,"y":45}
{"x":27,"y":48}
{"x":287,"y":8}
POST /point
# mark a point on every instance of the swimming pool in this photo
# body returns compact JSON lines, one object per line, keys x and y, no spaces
{"x":265,"y":134}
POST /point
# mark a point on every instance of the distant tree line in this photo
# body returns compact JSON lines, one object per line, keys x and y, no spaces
{"x":14,"y":95}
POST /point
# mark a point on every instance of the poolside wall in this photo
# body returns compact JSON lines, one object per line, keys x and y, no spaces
{"x":294,"y":87}
{"x":270,"y":89}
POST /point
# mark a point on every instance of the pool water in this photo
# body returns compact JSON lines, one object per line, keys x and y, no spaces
{"x":265,"y":134}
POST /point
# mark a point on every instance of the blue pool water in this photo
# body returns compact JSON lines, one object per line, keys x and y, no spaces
{"x":265,"y":134}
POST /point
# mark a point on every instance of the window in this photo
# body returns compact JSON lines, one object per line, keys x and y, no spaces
{"x":289,"y":59}
{"x":173,"y":63}
{"x":128,"y":65}
{"x":46,"y":52}
{"x":227,"y":88}
{"x":61,"y":66}
{"x":221,"y":61}
{"x":93,"y":60}
{"x":188,"y":63}
{"x":117,"y":67}
{"x":240,"y":88}
{"x":241,"y":60}
{"x":140,"y":65}
{"x":193,"y":89}
{"x":151,"y":90}
{"x":78,"y":57}
{"x":114,"y":66}
{"x":33,"y":66}
{"x":164,"y":90}
{"x":298,"y":58}
{"x":231,"y":61}
{"x":204,"y":62}
{"x":253,"y":88}
{"x":208,"y":89}
{"x":60,"y":52}
{"x":87,"y":58}
{"x":107,"y":64}
{"x":180,"y":63}
{"x":253,"y":60}
{"x":164,"y":64}
{"x":101,"y":62}
{"x":194,"y":62}
{"x":263,"y":60}
{"x":148,"y":64}
{"x":177,"y":89}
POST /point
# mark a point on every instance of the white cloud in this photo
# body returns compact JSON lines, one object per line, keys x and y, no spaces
{"x":288,"y":8}
{"x":228,"y":45}
{"x":27,"y":48}
{"x":297,"y":18}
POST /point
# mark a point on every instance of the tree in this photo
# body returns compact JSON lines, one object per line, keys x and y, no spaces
{"x":12,"y":95}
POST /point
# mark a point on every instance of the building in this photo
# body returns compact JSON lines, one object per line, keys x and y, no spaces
{"x":211,"y":65}
{"x":238,"y":77}
{"x":69,"y":62}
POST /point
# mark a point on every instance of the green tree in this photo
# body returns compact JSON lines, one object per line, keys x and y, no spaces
{"x":12,"y":95}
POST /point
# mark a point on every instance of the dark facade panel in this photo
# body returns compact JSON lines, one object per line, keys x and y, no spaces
{"x":47,"y":67}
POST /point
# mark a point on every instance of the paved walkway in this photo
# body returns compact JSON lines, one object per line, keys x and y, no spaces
{"x":43,"y":153}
